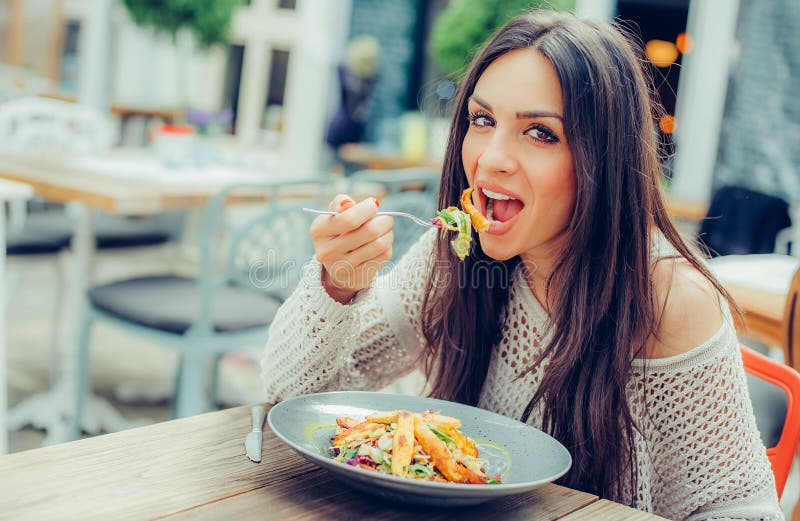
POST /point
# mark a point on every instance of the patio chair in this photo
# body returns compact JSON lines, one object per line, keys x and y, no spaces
{"x":786,"y":381}
{"x":229,"y":304}
{"x":411,"y":190}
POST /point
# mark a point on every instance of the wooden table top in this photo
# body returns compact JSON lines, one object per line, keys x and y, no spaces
{"x":370,"y":158}
{"x":122,"y":181}
{"x":763,"y":312}
{"x":195,"y":468}
{"x":759,"y":302}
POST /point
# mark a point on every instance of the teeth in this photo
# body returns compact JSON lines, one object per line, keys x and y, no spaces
{"x":494,"y":195}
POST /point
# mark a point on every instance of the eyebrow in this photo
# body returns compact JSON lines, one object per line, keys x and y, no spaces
{"x":527,"y":114}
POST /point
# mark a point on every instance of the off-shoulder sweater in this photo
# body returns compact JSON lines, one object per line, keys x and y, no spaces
{"x":698,"y":451}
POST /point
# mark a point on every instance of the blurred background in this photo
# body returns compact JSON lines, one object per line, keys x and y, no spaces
{"x":130,"y":128}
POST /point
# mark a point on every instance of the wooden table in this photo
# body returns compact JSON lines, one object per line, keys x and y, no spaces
{"x":763,"y":313}
{"x":368,"y":157}
{"x":195,"y":468}
{"x":126,"y":111}
{"x":686,"y":211}
{"x":122,"y":181}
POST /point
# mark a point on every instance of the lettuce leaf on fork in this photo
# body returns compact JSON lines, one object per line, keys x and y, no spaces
{"x":461,"y":221}
{"x":454,"y":220}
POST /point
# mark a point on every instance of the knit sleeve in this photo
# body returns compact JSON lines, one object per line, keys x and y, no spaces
{"x":698,"y":441}
{"x":317,"y":344}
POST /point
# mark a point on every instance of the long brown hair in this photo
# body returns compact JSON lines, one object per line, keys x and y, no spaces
{"x":602,"y":307}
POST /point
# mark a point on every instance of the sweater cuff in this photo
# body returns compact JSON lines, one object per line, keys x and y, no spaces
{"x":317,"y":297}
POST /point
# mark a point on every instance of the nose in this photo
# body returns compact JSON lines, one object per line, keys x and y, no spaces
{"x":498,"y":155}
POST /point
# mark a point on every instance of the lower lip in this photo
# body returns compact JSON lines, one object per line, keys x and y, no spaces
{"x":499,"y":228}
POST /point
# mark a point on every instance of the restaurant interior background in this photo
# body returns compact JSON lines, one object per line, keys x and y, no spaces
{"x":213,"y":92}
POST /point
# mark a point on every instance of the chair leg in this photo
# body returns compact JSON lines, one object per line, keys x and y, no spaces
{"x":58,"y":312}
{"x":190,"y":397}
{"x":84,"y":383}
{"x":215,"y":381}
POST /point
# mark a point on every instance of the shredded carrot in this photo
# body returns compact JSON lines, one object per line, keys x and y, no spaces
{"x":479,"y":222}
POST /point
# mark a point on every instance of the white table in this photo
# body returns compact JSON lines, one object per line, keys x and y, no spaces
{"x":10,"y":191}
{"x":122,"y":182}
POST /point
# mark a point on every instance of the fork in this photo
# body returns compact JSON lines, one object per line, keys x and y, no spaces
{"x":414,"y":218}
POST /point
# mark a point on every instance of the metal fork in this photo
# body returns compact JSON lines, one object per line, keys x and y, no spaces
{"x":421,"y":222}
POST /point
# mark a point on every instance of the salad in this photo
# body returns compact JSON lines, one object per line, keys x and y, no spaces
{"x":462,"y":222}
{"x":425,"y":446}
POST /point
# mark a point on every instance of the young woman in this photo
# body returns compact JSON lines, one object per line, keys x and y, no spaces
{"x":580,"y":310}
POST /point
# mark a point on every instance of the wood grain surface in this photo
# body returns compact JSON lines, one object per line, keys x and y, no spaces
{"x":195,"y":468}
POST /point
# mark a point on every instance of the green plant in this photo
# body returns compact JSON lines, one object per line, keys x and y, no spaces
{"x":207,"y":20}
{"x":464,"y":25}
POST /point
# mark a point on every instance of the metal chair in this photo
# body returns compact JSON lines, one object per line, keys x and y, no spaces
{"x":229,"y":304}
{"x":411,"y":190}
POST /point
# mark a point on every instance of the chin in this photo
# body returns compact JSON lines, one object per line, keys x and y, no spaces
{"x":495,"y":249}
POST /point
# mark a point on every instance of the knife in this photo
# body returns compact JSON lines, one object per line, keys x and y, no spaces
{"x":252,"y":443}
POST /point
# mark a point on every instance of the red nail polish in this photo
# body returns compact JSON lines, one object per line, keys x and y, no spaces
{"x":377,"y":202}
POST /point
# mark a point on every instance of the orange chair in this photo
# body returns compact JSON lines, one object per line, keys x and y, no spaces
{"x":788,"y":380}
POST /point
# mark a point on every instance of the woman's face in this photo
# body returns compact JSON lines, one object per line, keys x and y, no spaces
{"x":516,"y":156}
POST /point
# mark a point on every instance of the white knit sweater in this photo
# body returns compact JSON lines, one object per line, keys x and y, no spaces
{"x":699,"y":454}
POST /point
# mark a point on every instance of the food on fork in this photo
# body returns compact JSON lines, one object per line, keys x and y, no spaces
{"x":462,"y":221}
{"x":426,"y":446}
{"x":479,"y":222}
{"x":454,"y":220}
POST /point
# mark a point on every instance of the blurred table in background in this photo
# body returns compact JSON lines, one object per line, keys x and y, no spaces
{"x":763,"y":313}
{"x":367,"y":157}
{"x":123,"y":182}
{"x":686,"y":211}
{"x":128,"y":111}
{"x":760,"y":284}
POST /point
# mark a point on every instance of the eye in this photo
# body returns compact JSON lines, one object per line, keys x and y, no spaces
{"x":541,"y":133}
{"x":480,"y":119}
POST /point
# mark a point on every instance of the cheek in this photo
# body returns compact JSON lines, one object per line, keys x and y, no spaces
{"x":557,"y":188}
{"x":470,"y":152}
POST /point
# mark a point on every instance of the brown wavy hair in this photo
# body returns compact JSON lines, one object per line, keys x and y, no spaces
{"x":602,"y":305}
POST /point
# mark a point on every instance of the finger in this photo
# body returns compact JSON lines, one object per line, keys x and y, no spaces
{"x":340,"y":202}
{"x":352,"y":218}
{"x":369,"y":269}
{"x":364,"y":234}
{"x":372,"y":250}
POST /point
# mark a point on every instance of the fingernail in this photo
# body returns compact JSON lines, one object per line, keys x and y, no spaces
{"x":377,"y":202}
{"x":344,"y":202}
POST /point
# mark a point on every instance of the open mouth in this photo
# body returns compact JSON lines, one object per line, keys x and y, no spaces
{"x":499,"y":206}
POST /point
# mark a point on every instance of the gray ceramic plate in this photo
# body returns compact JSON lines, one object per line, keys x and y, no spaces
{"x":524,"y":457}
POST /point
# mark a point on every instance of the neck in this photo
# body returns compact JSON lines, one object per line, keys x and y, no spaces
{"x":538,"y":269}
{"x":539,"y":264}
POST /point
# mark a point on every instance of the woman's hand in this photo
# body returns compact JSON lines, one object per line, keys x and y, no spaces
{"x":351,"y":245}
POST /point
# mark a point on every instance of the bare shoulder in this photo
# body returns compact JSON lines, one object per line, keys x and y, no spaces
{"x":687,"y":310}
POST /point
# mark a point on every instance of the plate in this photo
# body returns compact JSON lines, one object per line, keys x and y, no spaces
{"x":524,"y":456}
